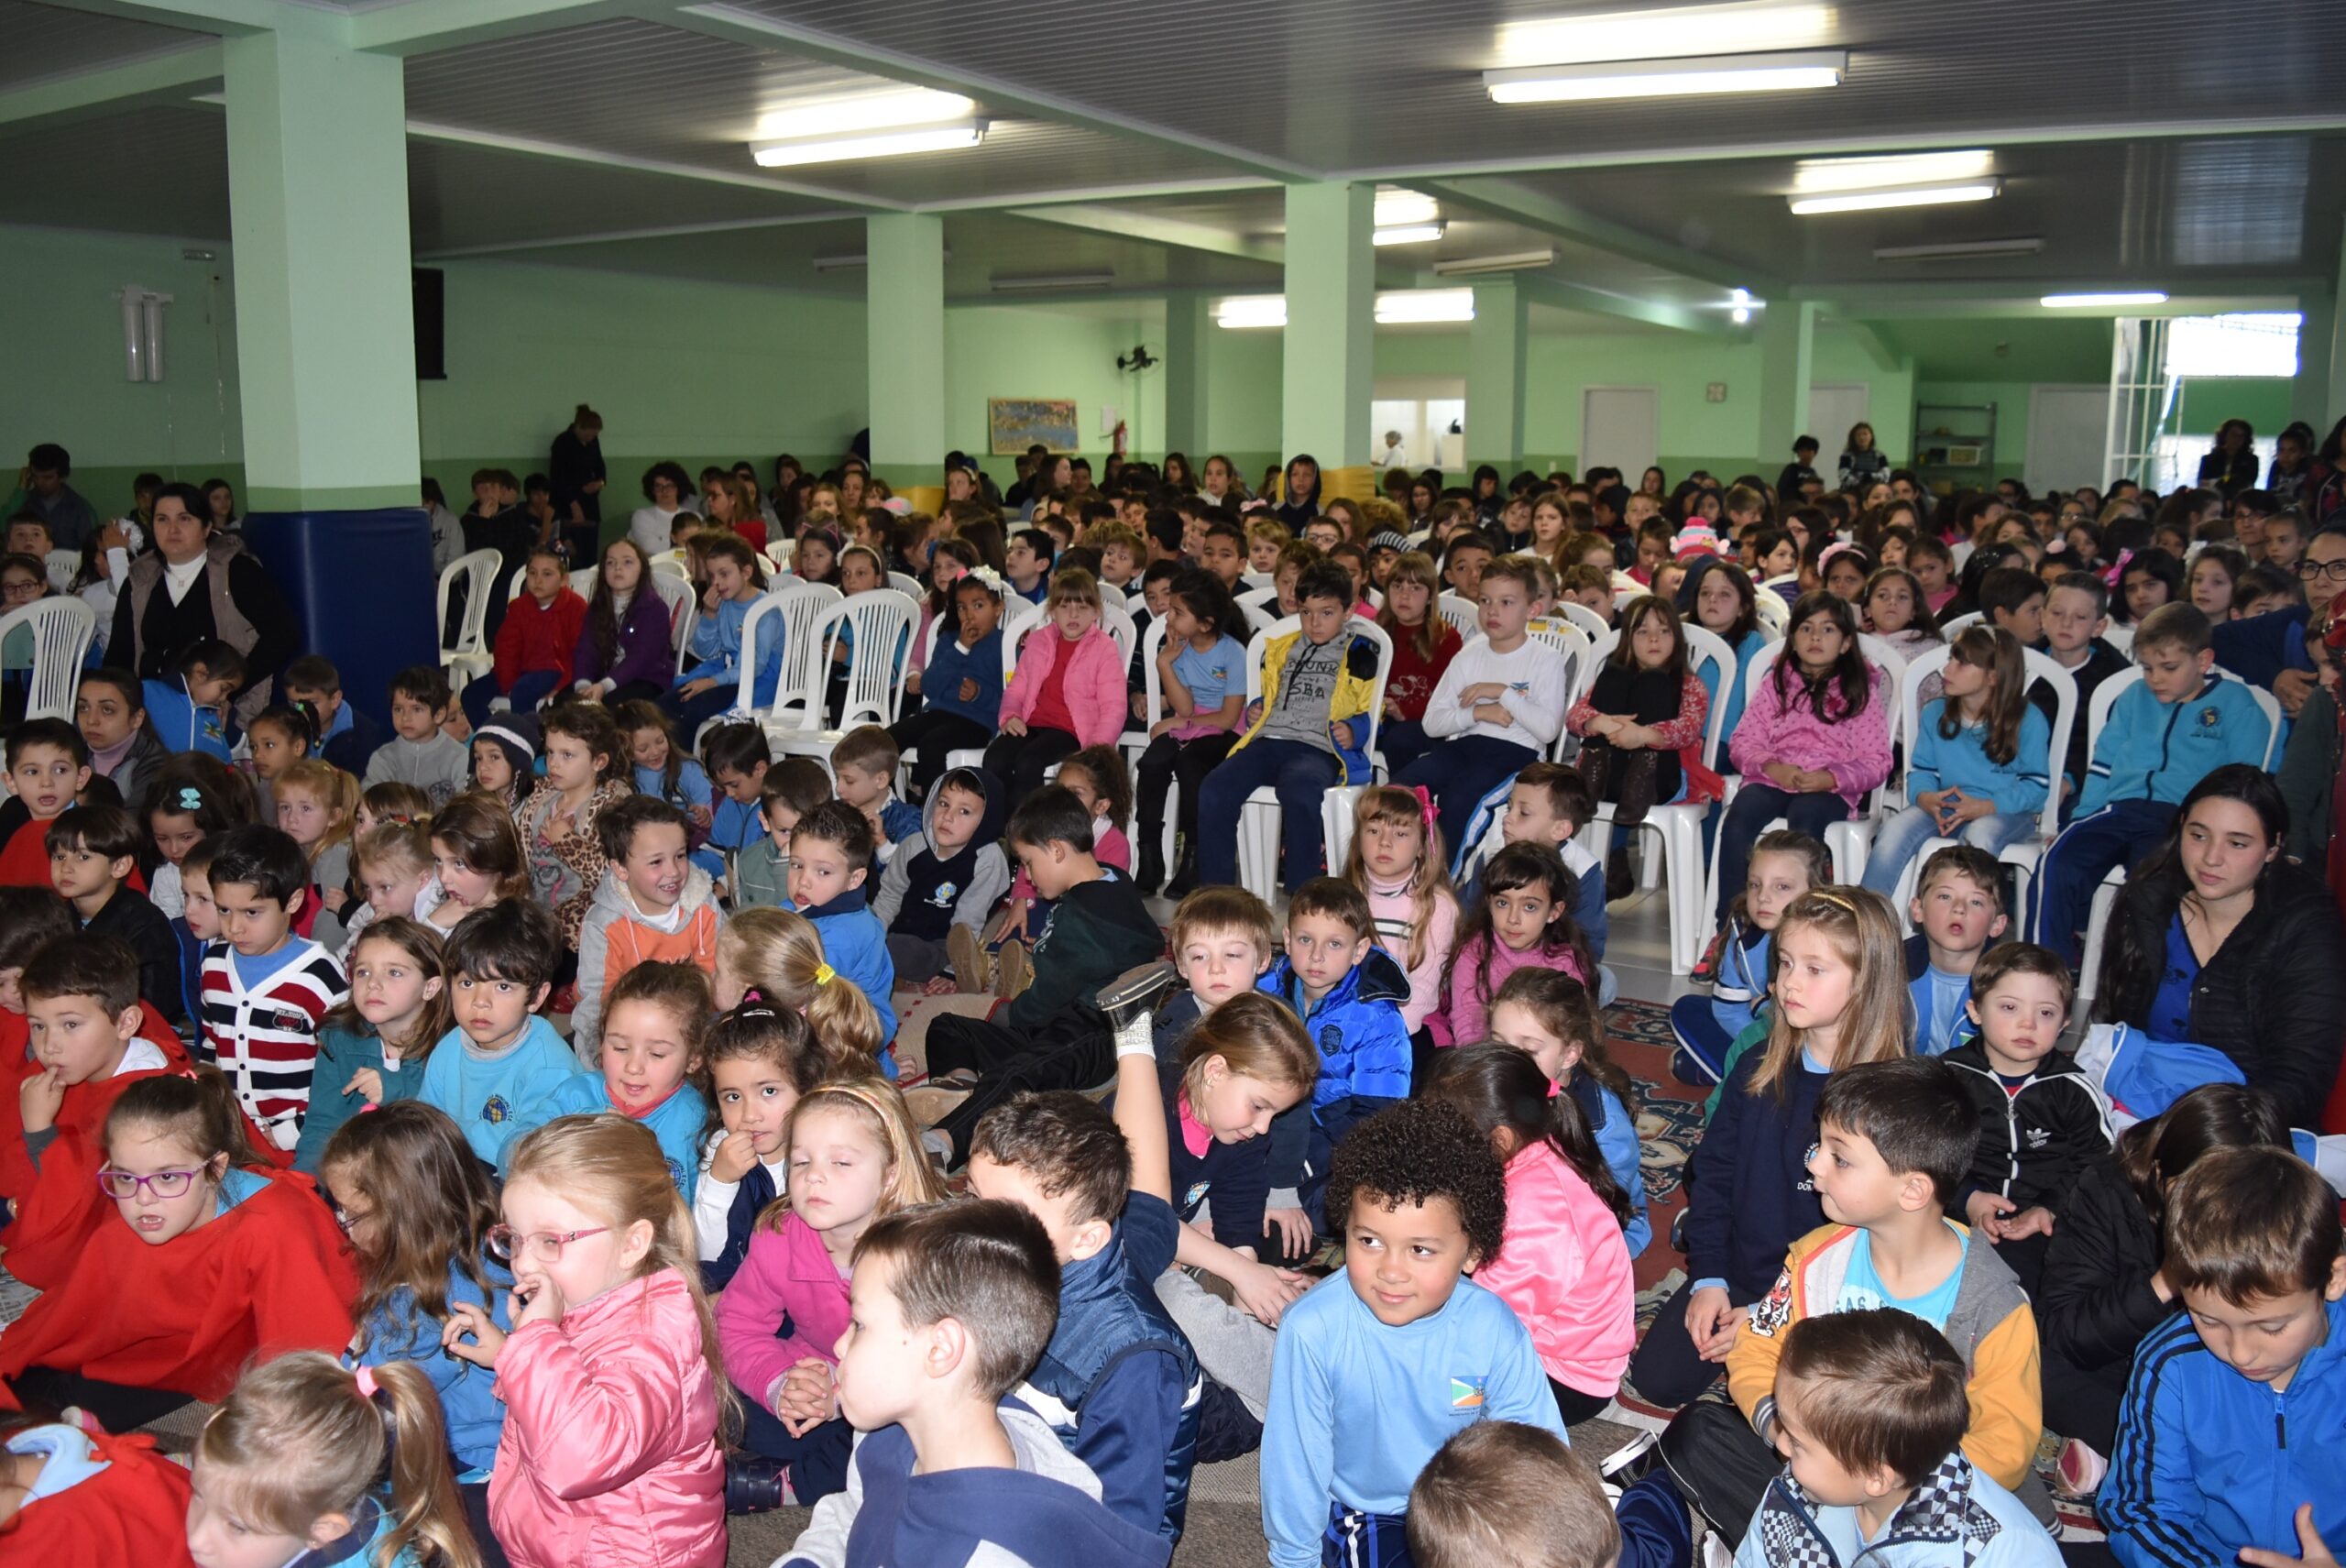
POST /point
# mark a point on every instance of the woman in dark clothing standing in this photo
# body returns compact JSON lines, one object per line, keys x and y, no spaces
{"x":575,"y":471}
{"x":2218,"y":940}
{"x":193,"y":585}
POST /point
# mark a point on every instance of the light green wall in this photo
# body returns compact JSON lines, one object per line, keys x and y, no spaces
{"x":1242,"y":398}
{"x":63,"y":324}
{"x":2009,"y":399}
{"x":1034,"y":351}
{"x":2264,"y":402}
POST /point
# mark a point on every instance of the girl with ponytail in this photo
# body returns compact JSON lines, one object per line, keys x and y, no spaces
{"x":779,"y":954}
{"x":307,"y":1455}
{"x":1565,"y":1267}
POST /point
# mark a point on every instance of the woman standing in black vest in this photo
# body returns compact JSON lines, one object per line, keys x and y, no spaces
{"x":192,"y":586}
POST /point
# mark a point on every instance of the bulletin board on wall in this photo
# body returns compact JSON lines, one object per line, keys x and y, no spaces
{"x":1014,"y":424}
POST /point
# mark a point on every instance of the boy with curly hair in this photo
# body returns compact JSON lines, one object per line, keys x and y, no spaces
{"x":1378,"y":1367}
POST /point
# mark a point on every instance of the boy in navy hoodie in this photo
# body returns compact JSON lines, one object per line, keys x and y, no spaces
{"x":949,"y":1304}
{"x":960,"y":687}
{"x":830,"y":858}
{"x":346,"y":737}
{"x":1117,"y":1382}
{"x":2231,"y":1441}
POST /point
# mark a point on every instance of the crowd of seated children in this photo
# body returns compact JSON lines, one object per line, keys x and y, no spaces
{"x":696,"y":1255}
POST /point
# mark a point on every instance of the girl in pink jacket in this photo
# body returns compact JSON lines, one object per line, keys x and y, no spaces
{"x":1564,"y":1267}
{"x":1524,"y":920}
{"x":854,"y":1158}
{"x":1398,"y":861}
{"x":1813,"y":740}
{"x":609,"y":1376}
{"x":1067,"y":692}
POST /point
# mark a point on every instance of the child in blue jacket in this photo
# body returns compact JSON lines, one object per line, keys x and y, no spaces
{"x":737,"y":585}
{"x":1348,"y":990}
{"x":831,"y":851}
{"x":188,"y":712}
{"x":2229,"y":1437}
{"x":2179,"y":724}
{"x":960,"y":687}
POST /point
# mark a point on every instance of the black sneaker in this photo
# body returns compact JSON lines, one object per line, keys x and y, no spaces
{"x":1633,"y":1462}
{"x":756,"y":1484}
{"x":1135,"y":993}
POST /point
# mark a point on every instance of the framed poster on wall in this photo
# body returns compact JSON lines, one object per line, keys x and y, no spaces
{"x":1017,"y":423}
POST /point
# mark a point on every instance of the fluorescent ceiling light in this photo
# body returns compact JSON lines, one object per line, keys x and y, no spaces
{"x":1009,"y":283}
{"x":1517,"y":262}
{"x":850,"y":262}
{"x":1408,"y":234}
{"x":1661,"y":34}
{"x":1903,"y":196}
{"x":1402,"y":307}
{"x":1961,"y":250}
{"x":1412,"y":306}
{"x":878,"y":144}
{"x":1667,"y":78}
{"x":1812,"y":175}
{"x":1740,"y":314}
{"x":1397,"y":208}
{"x":856,"y":113}
{"x":2086,"y":302}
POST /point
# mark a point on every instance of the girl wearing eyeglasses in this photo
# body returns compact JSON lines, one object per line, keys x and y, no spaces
{"x":613,"y":1393}
{"x":217,"y":1256}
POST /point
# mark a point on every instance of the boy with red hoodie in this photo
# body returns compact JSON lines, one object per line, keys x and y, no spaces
{"x":49,"y":767}
{"x":536,"y":644}
{"x":92,"y":1039}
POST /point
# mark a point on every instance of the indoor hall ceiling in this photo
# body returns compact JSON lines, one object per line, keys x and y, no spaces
{"x":1376,"y":85}
{"x":2123,"y":211}
{"x":39,"y":41}
{"x":150,"y":171}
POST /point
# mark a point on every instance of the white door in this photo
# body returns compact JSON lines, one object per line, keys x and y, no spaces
{"x":2068,"y":430}
{"x":1619,"y":428}
{"x":1833,"y":408}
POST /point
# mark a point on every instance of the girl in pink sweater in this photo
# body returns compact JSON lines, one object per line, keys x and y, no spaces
{"x":1564,"y":1267}
{"x":855,"y":1158}
{"x":1813,"y":740}
{"x":1524,"y":920}
{"x":612,"y":1390}
{"x":1066,"y":693}
{"x":1397,"y":860}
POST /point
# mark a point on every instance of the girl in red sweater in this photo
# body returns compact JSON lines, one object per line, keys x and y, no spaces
{"x":1424,"y":645}
{"x":536,"y":642}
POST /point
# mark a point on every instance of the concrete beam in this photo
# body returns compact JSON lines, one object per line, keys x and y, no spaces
{"x":225,"y":17}
{"x":563,"y":152}
{"x":1562,"y":295}
{"x":1514,"y":204}
{"x":1124,"y":224}
{"x":161,"y":78}
{"x":425,"y":27}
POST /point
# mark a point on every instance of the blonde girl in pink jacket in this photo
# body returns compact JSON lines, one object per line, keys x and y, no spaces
{"x":1564,"y":1267}
{"x":1067,"y":692}
{"x":613,"y":1393}
{"x":1398,"y":860}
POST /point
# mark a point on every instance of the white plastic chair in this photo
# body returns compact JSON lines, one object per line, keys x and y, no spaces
{"x":883,"y":621}
{"x":1851,"y":842}
{"x":908,"y":586}
{"x":1258,"y":580}
{"x":1258,"y":820}
{"x":1460,"y":612}
{"x":2121,"y":638}
{"x":1118,"y":621}
{"x":514,"y":583}
{"x":1580,"y":615}
{"x":805,"y":657}
{"x":1677,"y":826}
{"x":470,"y":655}
{"x":1775,"y":616}
{"x":1260,"y":599}
{"x":1580,"y":662}
{"x":684,"y":611}
{"x":1134,"y":743}
{"x":583,"y":581}
{"x":61,"y":627}
{"x":1134,"y":602}
{"x":1961,"y":624}
{"x":1877,"y":653}
{"x":64,"y":566}
{"x":779,"y":553}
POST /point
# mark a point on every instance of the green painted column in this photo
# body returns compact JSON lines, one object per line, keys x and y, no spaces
{"x":904,"y":338}
{"x":1787,"y":347}
{"x":1189,"y":339}
{"x":1331,"y":323}
{"x":1497,"y":343}
{"x":325,"y":324}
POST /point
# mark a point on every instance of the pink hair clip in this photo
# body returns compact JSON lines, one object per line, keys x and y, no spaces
{"x":1425,"y":804}
{"x":366,"y":1384}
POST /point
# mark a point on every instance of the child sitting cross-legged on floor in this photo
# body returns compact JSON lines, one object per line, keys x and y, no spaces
{"x":1896,"y":1139}
{"x":1052,"y":1035}
{"x":1871,"y":1414}
{"x":943,"y":882}
{"x":763,"y":1059}
{"x":949,"y":1304}
{"x":831,"y":854}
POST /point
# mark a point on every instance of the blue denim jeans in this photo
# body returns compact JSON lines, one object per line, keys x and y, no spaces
{"x":1902,"y":838}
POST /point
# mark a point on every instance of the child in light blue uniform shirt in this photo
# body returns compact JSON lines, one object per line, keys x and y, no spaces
{"x":484,"y":1089}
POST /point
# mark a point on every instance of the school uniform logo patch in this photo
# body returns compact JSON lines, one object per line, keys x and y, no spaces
{"x":1466,"y":1393}
{"x":2210,"y":719}
{"x":1330,"y":1038}
{"x":1195,"y":1195}
{"x":495,"y":1110}
{"x":944,"y":895}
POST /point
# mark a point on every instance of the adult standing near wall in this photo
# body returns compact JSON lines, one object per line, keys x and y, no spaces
{"x":575,"y":471}
{"x":193,"y":585}
{"x":1861,"y":461}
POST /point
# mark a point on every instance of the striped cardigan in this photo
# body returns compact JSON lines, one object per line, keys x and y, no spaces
{"x":265,"y":1040}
